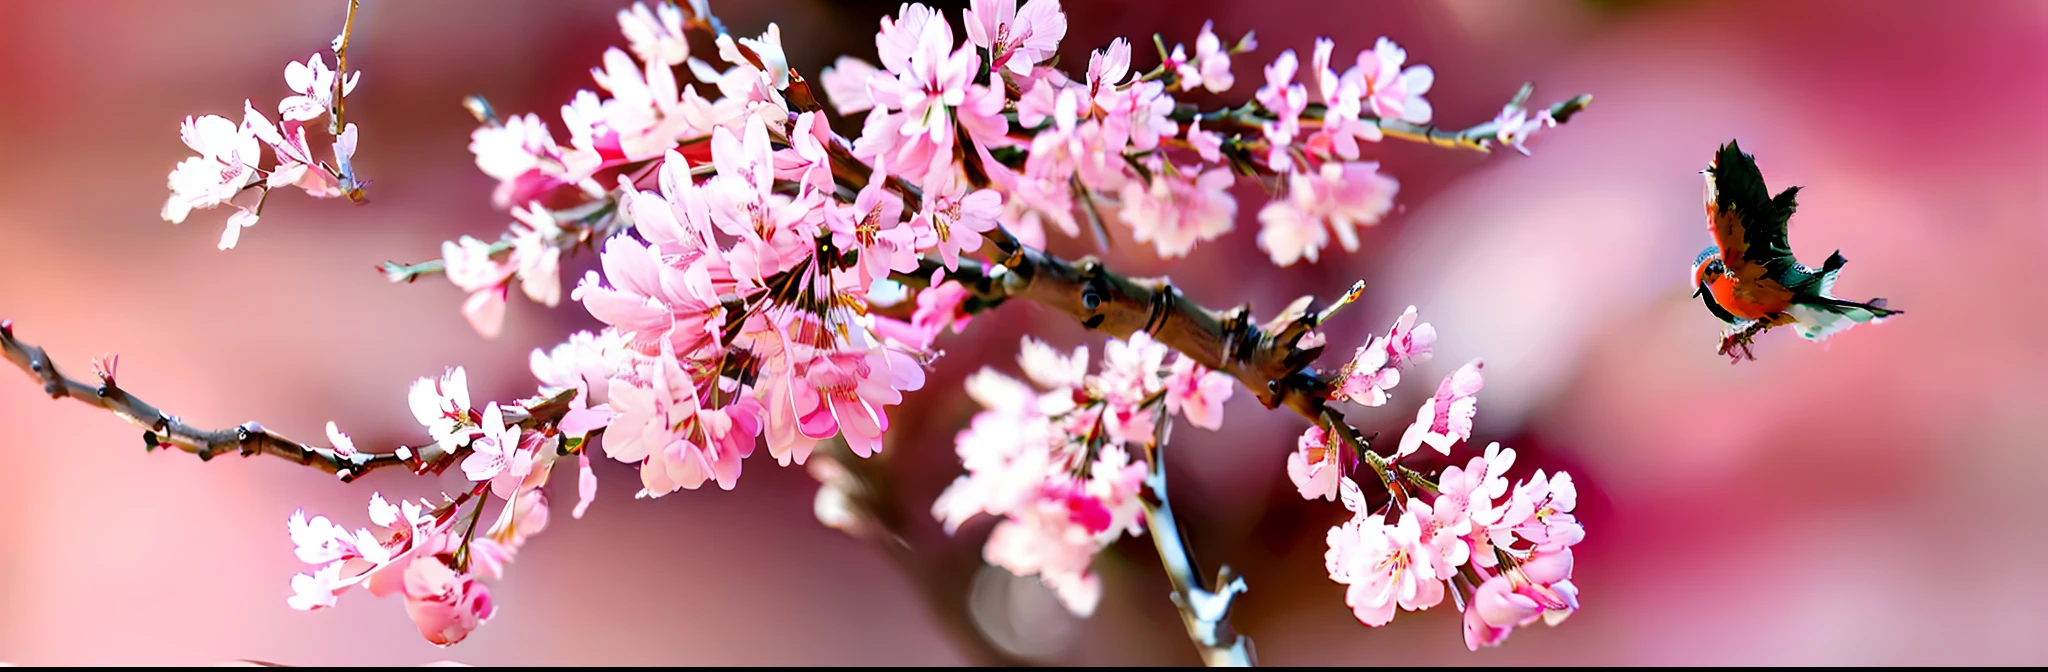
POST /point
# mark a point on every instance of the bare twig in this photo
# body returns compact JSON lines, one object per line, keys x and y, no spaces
{"x":591,"y":222}
{"x":163,"y":430}
{"x":1204,"y":609}
{"x":348,"y":26}
{"x":1480,"y":137}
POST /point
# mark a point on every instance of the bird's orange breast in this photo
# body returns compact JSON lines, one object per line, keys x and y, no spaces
{"x":1753,"y":300}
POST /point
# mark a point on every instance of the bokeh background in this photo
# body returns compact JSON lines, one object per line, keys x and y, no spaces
{"x":1865,"y":501}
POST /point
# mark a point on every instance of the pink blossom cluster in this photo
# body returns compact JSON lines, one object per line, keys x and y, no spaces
{"x":230,"y":158}
{"x":1052,"y":459}
{"x":1503,"y":554}
{"x":429,"y":554}
{"x":755,"y":271}
{"x":1117,"y":136}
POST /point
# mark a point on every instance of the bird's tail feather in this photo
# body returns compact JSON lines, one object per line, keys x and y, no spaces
{"x":1821,"y":317}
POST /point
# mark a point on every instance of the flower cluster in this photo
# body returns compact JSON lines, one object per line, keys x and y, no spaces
{"x":427,"y":553}
{"x":755,"y":270}
{"x":229,"y":154}
{"x":1505,"y":554}
{"x":1052,"y":461}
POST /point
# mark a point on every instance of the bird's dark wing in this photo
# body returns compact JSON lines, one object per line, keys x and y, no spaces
{"x":1747,"y":223}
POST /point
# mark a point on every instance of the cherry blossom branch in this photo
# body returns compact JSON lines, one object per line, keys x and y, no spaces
{"x":1264,"y":359}
{"x":1205,"y":612}
{"x":1249,"y":118}
{"x":163,"y":430}
{"x":591,"y":223}
{"x":348,"y":25}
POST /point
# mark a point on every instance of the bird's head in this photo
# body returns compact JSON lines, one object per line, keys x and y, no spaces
{"x":1707,"y":268}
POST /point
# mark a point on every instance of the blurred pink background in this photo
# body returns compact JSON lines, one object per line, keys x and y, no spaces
{"x":1865,"y":501}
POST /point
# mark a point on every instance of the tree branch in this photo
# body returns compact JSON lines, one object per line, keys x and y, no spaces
{"x":348,"y":25}
{"x":1250,"y":117}
{"x":1204,"y":611}
{"x":1262,"y":358}
{"x":163,"y":430}
{"x":592,"y":222}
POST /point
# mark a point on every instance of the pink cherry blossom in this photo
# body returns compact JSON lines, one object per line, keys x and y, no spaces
{"x":1394,"y":92}
{"x":1027,"y":460}
{"x":1107,"y":68}
{"x":242,"y":219}
{"x":1057,"y":533}
{"x":1197,"y":393}
{"x":443,"y":407}
{"x":1314,"y":465}
{"x":1130,"y":375}
{"x":534,"y":255}
{"x":940,"y":307}
{"x":342,"y":445}
{"x":1408,"y":342}
{"x":1385,"y":566}
{"x":1173,"y":212}
{"x":925,"y":88}
{"x":1016,"y":39}
{"x":1446,"y":418}
{"x":1343,"y":195}
{"x":1366,"y":379}
{"x":953,"y":220}
{"x":1006,"y":450}
{"x":1042,"y":539}
{"x":1540,"y":587}
{"x":644,"y":116}
{"x":361,"y":557}
{"x":846,"y":85}
{"x":1516,"y":125}
{"x":295,"y":163}
{"x":316,"y":590}
{"x":852,"y":389}
{"x":524,"y":515}
{"x":1443,"y":529}
{"x":1286,"y":100}
{"x":1048,"y":368}
{"x":445,"y":605}
{"x":227,"y":160}
{"x":1468,"y":493}
{"x":1142,"y":114}
{"x":320,"y":541}
{"x":583,"y":362}
{"x":315,"y":85}
{"x":522,"y":155}
{"x":651,"y":299}
{"x":657,"y":35}
{"x":1208,"y":145}
{"x":773,"y":66}
{"x":1212,"y":61}
{"x":1288,"y":233}
{"x":663,"y":426}
{"x":873,"y":227}
{"x":470,"y":267}
{"x":586,"y":485}
{"x":1548,"y":503}
{"x":1372,"y":371}
{"x":806,"y":161}
{"x":496,"y":455}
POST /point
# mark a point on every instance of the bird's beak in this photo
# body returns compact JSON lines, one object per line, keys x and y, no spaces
{"x":1697,"y":292}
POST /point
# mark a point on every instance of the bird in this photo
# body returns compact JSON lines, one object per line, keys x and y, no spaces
{"x":1749,"y":278}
